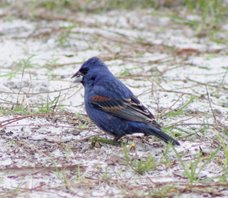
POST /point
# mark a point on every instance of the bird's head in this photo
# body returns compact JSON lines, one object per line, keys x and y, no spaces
{"x":89,"y":71}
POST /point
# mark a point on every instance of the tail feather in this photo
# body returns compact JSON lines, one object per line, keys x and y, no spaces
{"x":161,"y":135}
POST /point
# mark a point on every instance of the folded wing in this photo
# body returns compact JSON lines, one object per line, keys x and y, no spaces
{"x":129,"y":108}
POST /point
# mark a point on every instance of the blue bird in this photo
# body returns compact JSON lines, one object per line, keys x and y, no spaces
{"x":112,"y":106}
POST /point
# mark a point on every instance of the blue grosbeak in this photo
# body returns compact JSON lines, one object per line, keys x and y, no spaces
{"x":112,"y":106}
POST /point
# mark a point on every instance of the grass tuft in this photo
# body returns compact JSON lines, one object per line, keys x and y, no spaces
{"x":140,"y":166}
{"x":193,"y":168}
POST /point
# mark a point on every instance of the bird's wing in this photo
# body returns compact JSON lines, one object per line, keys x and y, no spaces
{"x":128,"y":108}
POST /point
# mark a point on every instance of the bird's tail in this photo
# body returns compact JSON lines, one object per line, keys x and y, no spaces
{"x":160,"y":134}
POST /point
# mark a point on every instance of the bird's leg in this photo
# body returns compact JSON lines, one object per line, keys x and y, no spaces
{"x":116,"y":138}
{"x":146,"y":137}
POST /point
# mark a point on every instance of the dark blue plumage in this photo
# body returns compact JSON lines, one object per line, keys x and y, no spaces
{"x":112,"y":106}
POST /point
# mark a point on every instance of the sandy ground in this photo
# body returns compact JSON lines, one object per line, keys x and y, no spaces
{"x":46,"y":147}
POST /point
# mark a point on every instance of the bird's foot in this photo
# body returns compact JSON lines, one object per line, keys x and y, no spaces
{"x":96,"y":141}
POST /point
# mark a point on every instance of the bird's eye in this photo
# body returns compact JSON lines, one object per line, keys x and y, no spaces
{"x":84,"y":71}
{"x":93,"y":78}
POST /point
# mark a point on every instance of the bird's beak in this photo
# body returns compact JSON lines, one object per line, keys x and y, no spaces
{"x":77,"y":77}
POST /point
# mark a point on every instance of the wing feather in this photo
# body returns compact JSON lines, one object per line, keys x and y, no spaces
{"x":129,"y":109}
